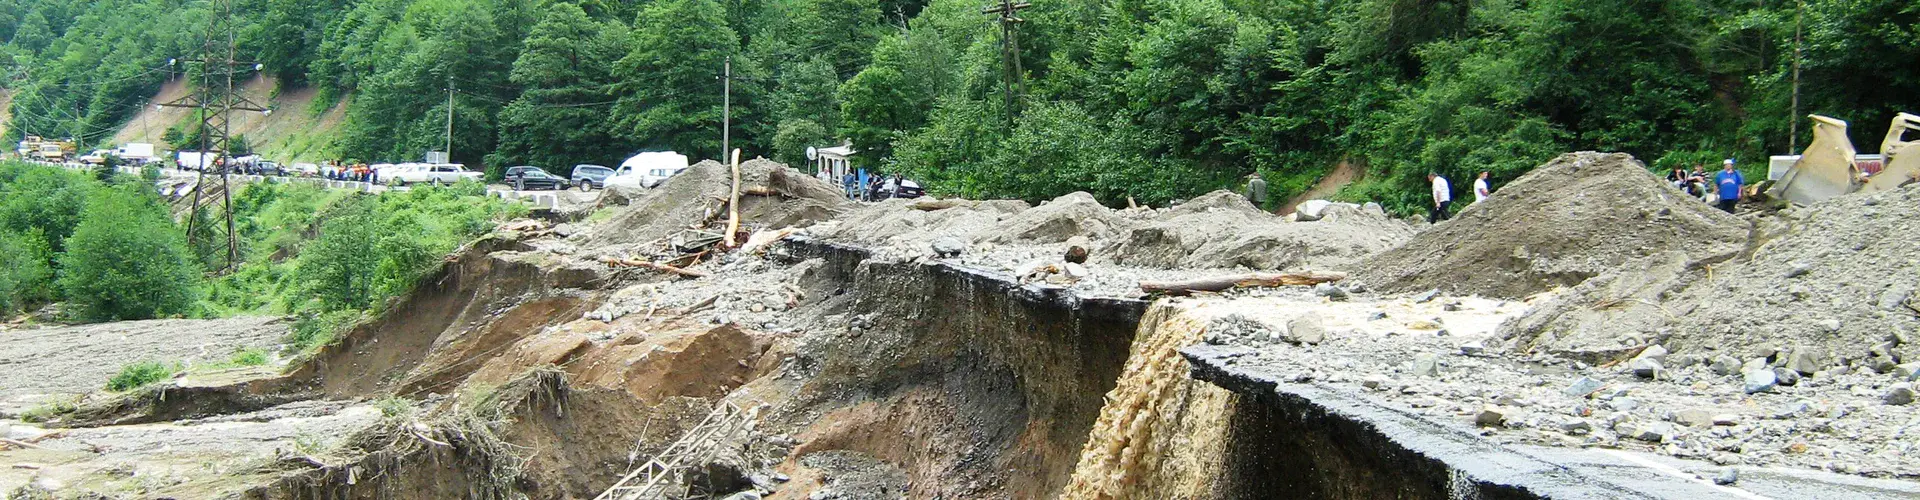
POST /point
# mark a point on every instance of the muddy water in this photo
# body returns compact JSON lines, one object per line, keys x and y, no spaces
{"x":1161,"y":434}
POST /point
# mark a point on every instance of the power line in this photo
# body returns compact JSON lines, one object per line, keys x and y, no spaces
{"x":217,"y":100}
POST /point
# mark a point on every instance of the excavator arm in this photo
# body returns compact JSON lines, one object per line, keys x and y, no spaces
{"x":1900,"y":153}
{"x":1826,"y":168}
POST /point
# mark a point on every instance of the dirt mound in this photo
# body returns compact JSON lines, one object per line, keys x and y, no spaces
{"x":772,"y":196}
{"x":914,"y":223}
{"x":1222,"y":230}
{"x":1840,"y":278}
{"x":1075,"y":214}
{"x":1576,"y":217}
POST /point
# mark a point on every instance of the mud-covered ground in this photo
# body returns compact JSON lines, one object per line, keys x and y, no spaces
{"x":64,"y":361}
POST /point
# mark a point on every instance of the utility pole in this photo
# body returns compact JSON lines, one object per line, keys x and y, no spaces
{"x":726,"y":109}
{"x":449,"y":148}
{"x":215,"y":101}
{"x":1008,"y":12}
{"x":1793,"y":125}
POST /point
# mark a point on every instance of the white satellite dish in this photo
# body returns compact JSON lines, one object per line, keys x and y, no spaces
{"x":812,"y":154}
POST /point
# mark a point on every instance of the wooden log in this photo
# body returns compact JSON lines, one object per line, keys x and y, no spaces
{"x":1218,"y":283}
{"x":759,"y":191}
{"x":657,"y":267}
{"x":733,"y":204}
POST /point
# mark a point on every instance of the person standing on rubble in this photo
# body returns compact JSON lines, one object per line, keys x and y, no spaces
{"x":1480,"y":189}
{"x":1257,"y":191}
{"x":1442,"y":198}
{"x":1729,"y":183}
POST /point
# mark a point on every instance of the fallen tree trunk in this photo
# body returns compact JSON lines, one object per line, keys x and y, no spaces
{"x":1218,"y":283}
{"x":733,"y":205}
{"x":657,"y":267}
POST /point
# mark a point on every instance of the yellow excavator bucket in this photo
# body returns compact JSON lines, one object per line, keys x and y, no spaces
{"x":1825,"y":168}
{"x":1900,"y":155}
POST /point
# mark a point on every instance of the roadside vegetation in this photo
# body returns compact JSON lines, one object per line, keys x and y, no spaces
{"x":110,"y":250}
{"x":1150,"y":99}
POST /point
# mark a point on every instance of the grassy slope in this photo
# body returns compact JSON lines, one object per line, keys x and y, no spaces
{"x":291,"y":133}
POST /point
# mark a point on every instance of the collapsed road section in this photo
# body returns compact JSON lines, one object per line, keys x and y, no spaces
{"x":792,"y":344}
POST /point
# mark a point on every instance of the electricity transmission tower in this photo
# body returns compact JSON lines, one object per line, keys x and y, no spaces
{"x":216,"y":100}
{"x":1008,"y":12}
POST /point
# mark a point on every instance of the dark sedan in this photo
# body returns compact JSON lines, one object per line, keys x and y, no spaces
{"x":526,"y":178}
{"x":590,"y":177}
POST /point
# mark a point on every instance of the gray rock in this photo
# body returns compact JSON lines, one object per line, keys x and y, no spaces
{"x":1583,"y":387}
{"x":1426,"y":296}
{"x":948,"y":247}
{"x":1450,"y":307}
{"x":1831,"y":325}
{"x":1331,"y":292}
{"x":1374,"y":382}
{"x":1575,"y":425}
{"x":1907,"y":372}
{"x":1761,"y":380}
{"x":1786,"y":377}
{"x":1900,"y":394}
{"x":1377,"y":316}
{"x":1652,"y":432}
{"x":1625,"y":404}
{"x":1474,"y":348}
{"x":1693,"y":418}
{"x":744,"y":495}
{"x":1655,"y":352}
{"x":1726,"y":419}
{"x":1645,"y":367}
{"x":1490,"y":416}
{"x":1807,"y":360}
{"x":1794,"y":409}
{"x":1798,"y":269}
{"x":1727,"y":477}
{"x":1305,"y":329}
{"x":1725,"y":365}
{"x":1426,"y":365}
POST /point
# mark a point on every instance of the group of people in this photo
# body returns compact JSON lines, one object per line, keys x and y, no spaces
{"x":358,"y":172}
{"x":878,"y":187}
{"x":1443,"y":195}
{"x":1728,"y":184}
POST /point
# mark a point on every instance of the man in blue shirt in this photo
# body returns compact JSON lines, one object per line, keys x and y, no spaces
{"x":1729,"y":182}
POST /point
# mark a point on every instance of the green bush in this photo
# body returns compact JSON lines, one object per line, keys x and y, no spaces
{"x":313,"y":330}
{"x":249,"y":357}
{"x":127,"y":260}
{"x":25,"y":276}
{"x":137,"y":375}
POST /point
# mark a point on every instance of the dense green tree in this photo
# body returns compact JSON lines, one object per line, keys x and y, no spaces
{"x":126,"y":260}
{"x":790,"y":143}
{"x":671,"y":92}
{"x":25,"y":276}
{"x":560,"y":119}
{"x":895,"y":93}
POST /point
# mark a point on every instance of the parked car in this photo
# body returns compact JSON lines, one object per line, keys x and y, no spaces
{"x":648,"y":170}
{"x":590,"y":177}
{"x":527,"y":177}
{"x":436,"y":174}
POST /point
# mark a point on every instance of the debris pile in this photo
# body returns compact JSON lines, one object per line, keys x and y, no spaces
{"x":1839,"y":283}
{"x":1222,"y":231}
{"x":772,"y":196}
{"x":1576,"y":217}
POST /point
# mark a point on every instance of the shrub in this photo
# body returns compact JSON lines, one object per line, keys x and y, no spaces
{"x":137,"y":375}
{"x":249,"y":357}
{"x":24,"y":274}
{"x":127,"y":260}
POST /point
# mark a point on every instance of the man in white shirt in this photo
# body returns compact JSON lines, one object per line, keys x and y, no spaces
{"x":1442,"y":197}
{"x":1480,"y":190}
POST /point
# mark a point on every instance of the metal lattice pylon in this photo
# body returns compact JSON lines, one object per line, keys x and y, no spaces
{"x":216,"y":100}
{"x":665,"y":475}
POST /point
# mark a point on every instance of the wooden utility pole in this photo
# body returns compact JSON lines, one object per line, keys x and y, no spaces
{"x":1793,"y":127}
{"x":726,"y":111}
{"x":1008,"y":12}
{"x":449,"y":148}
{"x":216,"y":100}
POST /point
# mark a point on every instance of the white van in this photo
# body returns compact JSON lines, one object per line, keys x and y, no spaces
{"x":648,"y":169}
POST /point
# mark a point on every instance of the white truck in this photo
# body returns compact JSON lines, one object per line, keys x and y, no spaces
{"x":648,"y":170}
{"x":194,"y":160}
{"x":138,"y":153}
{"x":436,"y":174}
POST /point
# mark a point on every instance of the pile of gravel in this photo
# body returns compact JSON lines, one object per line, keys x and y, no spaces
{"x":1840,"y":280}
{"x":698,"y":196}
{"x":1578,"y":216}
{"x":1222,"y":231}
